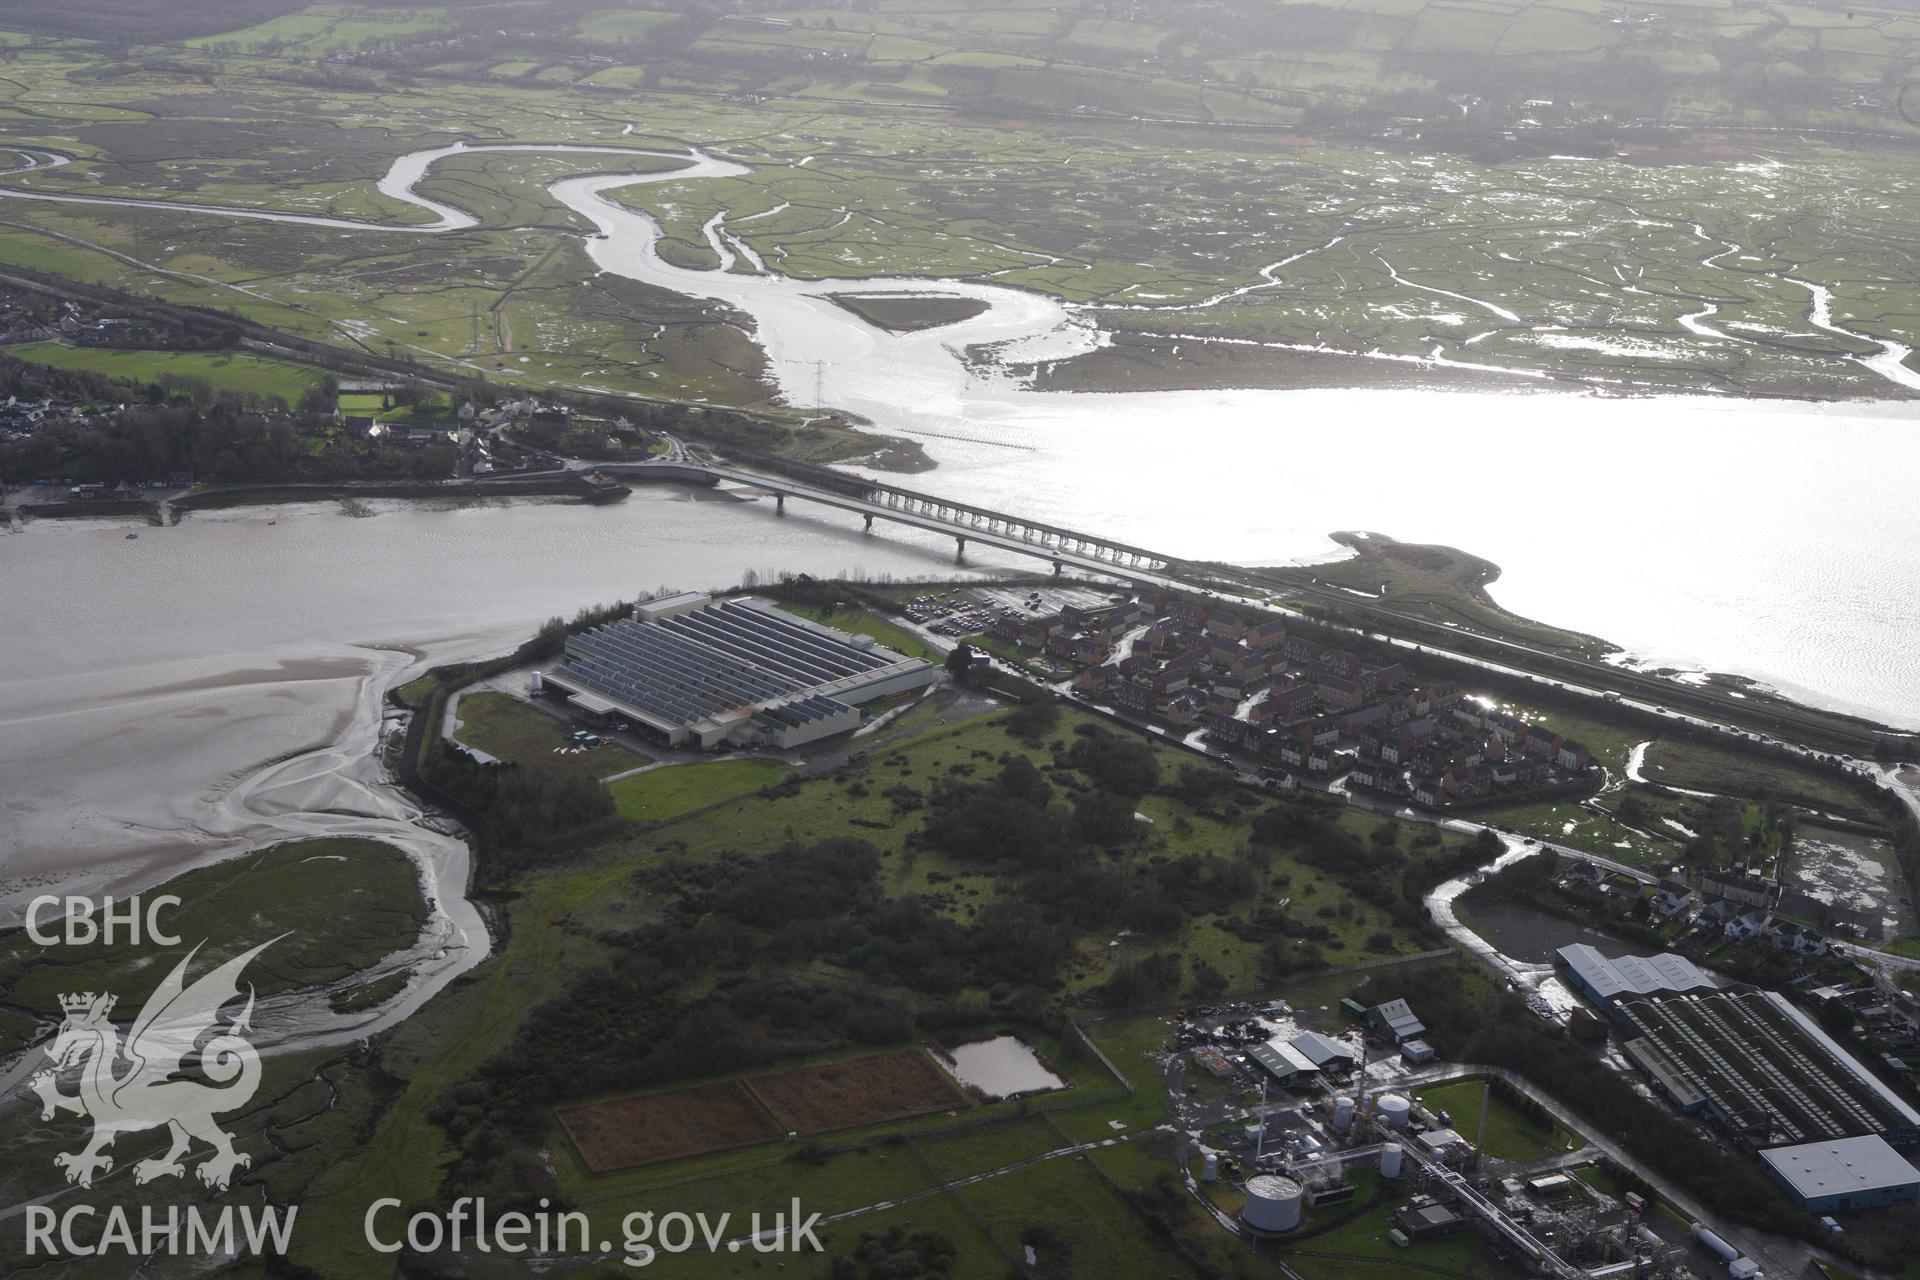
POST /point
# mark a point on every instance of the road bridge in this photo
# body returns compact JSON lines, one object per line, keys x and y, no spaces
{"x":963,"y":522}
{"x":1068,"y":548}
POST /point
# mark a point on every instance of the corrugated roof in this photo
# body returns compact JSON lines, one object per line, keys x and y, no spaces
{"x":1320,"y":1049}
{"x":1281,"y":1059}
{"x":1635,"y":975}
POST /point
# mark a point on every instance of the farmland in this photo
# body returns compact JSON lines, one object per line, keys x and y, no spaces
{"x":623,"y":1132}
{"x":1629,"y":259}
{"x":855,"y":1093}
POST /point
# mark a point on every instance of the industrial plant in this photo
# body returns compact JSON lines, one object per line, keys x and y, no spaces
{"x":692,"y":671}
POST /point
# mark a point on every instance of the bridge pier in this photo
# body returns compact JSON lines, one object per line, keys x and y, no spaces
{"x":869,"y":524}
{"x":960,"y":551}
{"x":780,"y":504}
{"x":1056,"y":568}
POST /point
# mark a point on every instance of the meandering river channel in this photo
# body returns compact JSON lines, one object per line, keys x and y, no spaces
{"x":152,"y":678}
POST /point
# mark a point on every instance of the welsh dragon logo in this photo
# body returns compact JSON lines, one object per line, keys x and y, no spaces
{"x":136,"y":1084}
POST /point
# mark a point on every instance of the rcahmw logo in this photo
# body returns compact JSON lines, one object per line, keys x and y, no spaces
{"x":178,"y":1066}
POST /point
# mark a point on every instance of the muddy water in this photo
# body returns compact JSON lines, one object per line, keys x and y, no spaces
{"x":220,"y":685}
{"x":1001,"y":1067}
{"x":1673,"y":561}
{"x":150,"y":678}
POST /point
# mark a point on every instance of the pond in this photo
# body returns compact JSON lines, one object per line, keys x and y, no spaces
{"x":1529,"y":934}
{"x":1001,"y":1067}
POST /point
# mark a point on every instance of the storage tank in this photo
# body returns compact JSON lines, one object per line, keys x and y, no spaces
{"x":536,"y":684}
{"x":1273,"y":1203}
{"x":1394,"y":1110}
{"x":1390,"y":1160}
{"x":1705,"y":1236}
{"x":1210,"y":1168}
{"x":1342,"y":1114}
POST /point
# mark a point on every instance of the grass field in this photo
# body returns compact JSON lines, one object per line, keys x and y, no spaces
{"x":864,"y":622}
{"x":507,"y":728}
{"x":1597,"y":257}
{"x":1442,"y":583}
{"x":1579,"y":827}
{"x":240,"y":374}
{"x":673,"y":791}
{"x":1700,"y":767}
{"x":1509,"y":1135}
{"x":907,"y":312}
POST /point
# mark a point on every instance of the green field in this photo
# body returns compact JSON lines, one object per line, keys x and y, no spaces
{"x":672,"y":791}
{"x":864,"y":622}
{"x":1509,"y":1135}
{"x":570,"y":918}
{"x":507,"y":728}
{"x":1701,"y":767}
{"x":242,"y":375}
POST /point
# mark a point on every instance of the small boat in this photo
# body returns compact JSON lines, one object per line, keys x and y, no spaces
{"x":133,"y":535}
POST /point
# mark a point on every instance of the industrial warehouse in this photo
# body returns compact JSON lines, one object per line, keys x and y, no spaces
{"x":1853,"y":1173}
{"x":1760,"y":1069}
{"x":1603,"y":980}
{"x":1744,"y":1059}
{"x":699,"y":672}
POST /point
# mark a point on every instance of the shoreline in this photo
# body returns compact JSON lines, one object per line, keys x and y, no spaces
{"x":1456,"y":599}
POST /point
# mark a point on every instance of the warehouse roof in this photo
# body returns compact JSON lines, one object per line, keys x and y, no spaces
{"x":1847,"y":1166}
{"x":1282,"y":1059}
{"x":1634,"y":975}
{"x":1319,"y":1049}
{"x":686,"y":659}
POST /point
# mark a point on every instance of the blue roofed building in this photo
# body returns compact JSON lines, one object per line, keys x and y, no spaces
{"x":1852,"y":1173}
{"x":699,"y":672}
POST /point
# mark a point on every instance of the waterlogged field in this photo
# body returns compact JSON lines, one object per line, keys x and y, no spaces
{"x":1216,"y":255}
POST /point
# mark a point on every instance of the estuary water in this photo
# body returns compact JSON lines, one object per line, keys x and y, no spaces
{"x":214,"y":686}
{"x":217,"y":686}
{"x":1775,"y":540}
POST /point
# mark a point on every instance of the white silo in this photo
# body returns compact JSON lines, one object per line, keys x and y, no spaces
{"x":1394,"y":1110}
{"x":1273,"y":1203}
{"x":1342,"y":1114}
{"x":1210,"y":1168}
{"x":1390,"y":1160}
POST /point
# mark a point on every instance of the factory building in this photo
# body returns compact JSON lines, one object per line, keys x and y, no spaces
{"x":1324,"y":1052}
{"x":696,"y":672}
{"x":1760,"y":1069}
{"x":1852,"y":1173}
{"x":1602,"y":980}
{"x":1286,"y":1064}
